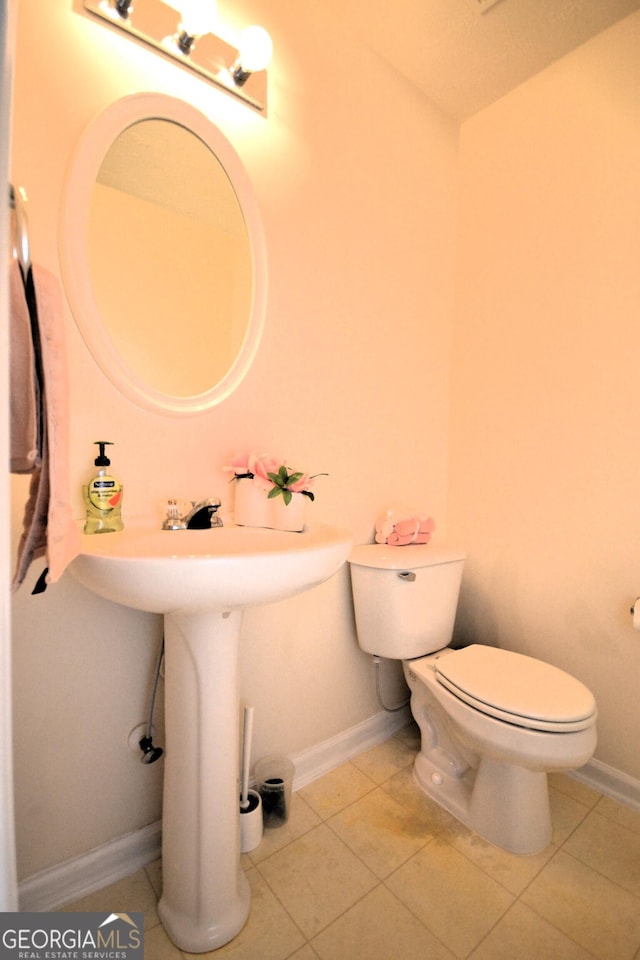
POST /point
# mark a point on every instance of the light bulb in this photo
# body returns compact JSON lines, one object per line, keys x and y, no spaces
{"x":255,"y":49}
{"x":197,"y":17}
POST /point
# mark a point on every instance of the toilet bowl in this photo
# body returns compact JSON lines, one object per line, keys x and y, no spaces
{"x":488,"y":771}
{"x":493,"y":723}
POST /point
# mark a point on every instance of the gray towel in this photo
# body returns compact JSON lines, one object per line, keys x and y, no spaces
{"x":48,"y":526}
{"x":25,"y":399}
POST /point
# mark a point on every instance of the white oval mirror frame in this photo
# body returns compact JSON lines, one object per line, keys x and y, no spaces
{"x":74,"y":249}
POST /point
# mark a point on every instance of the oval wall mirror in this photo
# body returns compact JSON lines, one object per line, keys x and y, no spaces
{"x":162,"y":254}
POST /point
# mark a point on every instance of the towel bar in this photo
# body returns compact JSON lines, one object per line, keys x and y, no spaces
{"x":17,"y":202}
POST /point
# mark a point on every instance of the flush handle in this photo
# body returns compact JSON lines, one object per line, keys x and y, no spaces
{"x":407,"y":575}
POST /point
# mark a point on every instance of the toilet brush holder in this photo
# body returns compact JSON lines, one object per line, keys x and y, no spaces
{"x":274,"y":778}
{"x":251,"y":822}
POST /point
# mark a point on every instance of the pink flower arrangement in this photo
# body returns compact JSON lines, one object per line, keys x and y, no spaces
{"x":272,"y":476}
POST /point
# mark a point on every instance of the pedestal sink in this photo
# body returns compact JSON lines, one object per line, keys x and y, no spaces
{"x":201,"y":580}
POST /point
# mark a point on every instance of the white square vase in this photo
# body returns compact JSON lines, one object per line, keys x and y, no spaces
{"x":253,"y":508}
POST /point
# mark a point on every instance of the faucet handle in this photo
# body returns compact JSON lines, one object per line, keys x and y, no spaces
{"x":213,"y":505}
{"x":173,"y":520}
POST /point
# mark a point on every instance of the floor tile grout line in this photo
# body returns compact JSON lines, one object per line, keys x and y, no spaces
{"x":544,"y":919}
{"x":603,"y":800}
{"x":577,"y":827}
{"x":586,"y":862}
{"x":560,"y":787}
{"x":489,"y":932}
{"x":308,"y":940}
{"x":409,"y":909}
{"x":564,"y":933}
{"x":324,"y":818}
{"x":590,"y":866}
{"x":518,"y":899}
{"x":607,"y":819}
{"x":427,"y":841}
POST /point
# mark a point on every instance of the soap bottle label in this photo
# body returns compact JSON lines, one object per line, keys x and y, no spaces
{"x":105,"y":493}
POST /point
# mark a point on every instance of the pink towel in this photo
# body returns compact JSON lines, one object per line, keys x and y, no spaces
{"x":398,"y":531}
{"x":48,"y":526}
{"x":413,"y":526}
{"x":395,"y":540}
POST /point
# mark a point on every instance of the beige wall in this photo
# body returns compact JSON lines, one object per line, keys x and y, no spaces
{"x":356,"y":179}
{"x":546,"y":393}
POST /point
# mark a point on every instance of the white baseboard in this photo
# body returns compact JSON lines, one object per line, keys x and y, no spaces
{"x":611,"y":782}
{"x":70,"y":881}
{"x":318,"y":760}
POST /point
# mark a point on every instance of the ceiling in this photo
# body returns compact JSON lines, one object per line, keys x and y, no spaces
{"x":465,"y":54}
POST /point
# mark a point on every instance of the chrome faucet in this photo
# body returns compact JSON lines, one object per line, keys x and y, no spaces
{"x":202,"y":515}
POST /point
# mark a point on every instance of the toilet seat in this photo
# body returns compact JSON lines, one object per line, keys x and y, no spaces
{"x":516,"y":688}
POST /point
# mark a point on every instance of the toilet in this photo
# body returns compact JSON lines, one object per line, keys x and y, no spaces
{"x":493,"y":723}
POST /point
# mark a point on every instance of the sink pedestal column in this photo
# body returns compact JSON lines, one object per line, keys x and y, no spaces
{"x":205,"y":899}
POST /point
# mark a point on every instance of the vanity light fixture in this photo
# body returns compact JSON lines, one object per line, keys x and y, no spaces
{"x":190,"y":41}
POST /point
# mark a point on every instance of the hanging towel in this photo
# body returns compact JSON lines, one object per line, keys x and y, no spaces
{"x":48,"y":526}
{"x":24,"y":387}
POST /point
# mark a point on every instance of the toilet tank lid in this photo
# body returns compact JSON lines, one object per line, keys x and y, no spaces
{"x":409,"y":557}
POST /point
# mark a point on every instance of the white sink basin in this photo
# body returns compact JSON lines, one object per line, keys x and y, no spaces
{"x":201,"y":580}
{"x":165,"y":571}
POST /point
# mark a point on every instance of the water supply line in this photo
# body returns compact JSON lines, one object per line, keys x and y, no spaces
{"x":376,"y":669}
{"x":150,"y":753}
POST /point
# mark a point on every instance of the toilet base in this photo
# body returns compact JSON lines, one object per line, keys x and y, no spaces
{"x":505,"y":804}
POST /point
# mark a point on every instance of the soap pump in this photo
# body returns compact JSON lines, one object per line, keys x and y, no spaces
{"x":103,"y":497}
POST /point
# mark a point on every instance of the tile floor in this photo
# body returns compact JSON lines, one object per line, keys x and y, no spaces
{"x":368,"y":868}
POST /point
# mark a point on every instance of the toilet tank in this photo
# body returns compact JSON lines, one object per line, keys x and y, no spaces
{"x":405,"y":598}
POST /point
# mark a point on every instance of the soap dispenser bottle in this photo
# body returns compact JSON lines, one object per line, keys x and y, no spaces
{"x":103,"y":497}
